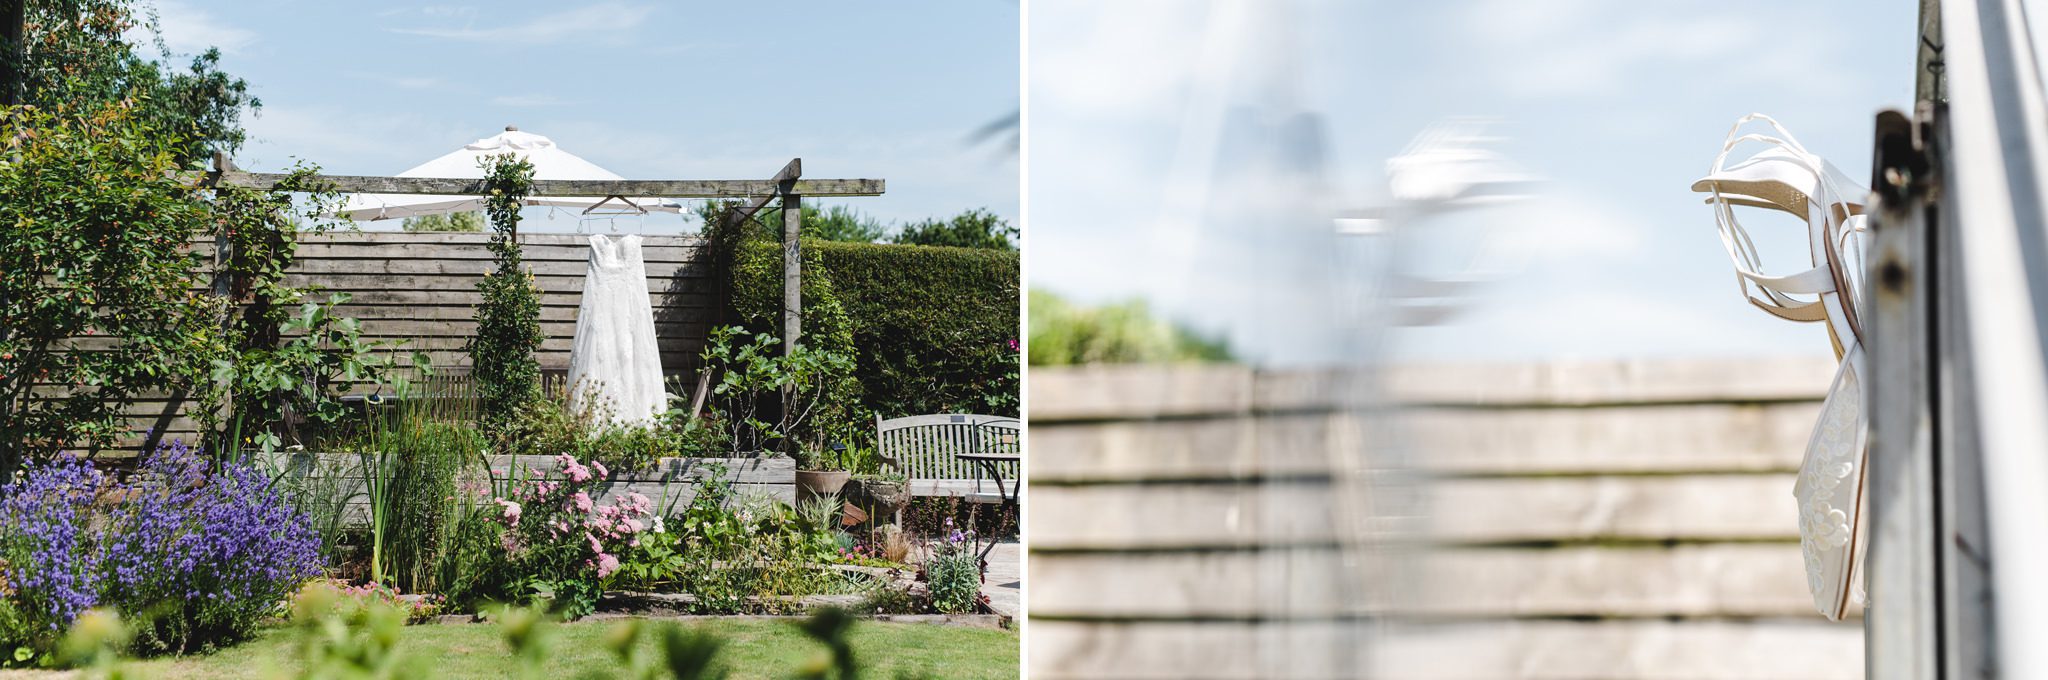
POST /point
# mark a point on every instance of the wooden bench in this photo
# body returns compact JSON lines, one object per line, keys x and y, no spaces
{"x":924,"y":447}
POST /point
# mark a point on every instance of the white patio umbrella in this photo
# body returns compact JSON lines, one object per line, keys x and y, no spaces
{"x":549,"y":162}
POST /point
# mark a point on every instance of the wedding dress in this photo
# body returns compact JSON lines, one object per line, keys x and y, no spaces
{"x":615,"y":365}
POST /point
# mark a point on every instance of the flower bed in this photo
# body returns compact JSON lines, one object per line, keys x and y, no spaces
{"x":198,"y":551}
{"x":671,"y":483}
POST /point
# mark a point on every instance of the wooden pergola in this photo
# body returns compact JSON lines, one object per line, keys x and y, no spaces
{"x":788,"y":185}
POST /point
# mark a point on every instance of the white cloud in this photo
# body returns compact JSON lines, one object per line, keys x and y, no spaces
{"x":596,"y":20}
{"x":188,"y":30}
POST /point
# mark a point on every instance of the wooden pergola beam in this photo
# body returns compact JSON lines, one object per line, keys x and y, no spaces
{"x":760,"y":190}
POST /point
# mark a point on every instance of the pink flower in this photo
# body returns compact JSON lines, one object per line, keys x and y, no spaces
{"x":582,"y":501}
{"x":606,"y":564}
{"x":633,"y":526}
{"x":595,"y":546}
{"x":512,"y":511}
{"x":599,"y":467}
{"x":576,"y":472}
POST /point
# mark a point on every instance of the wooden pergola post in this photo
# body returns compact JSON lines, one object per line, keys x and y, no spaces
{"x":792,"y":263}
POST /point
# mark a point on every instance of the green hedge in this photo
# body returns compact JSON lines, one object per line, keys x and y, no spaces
{"x":931,"y":329}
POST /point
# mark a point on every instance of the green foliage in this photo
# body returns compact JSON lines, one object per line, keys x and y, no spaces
{"x":94,"y":645}
{"x":343,"y":638}
{"x":933,"y":330}
{"x":290,"y":355}
{"x":79,"y":59}
{"x":410,"y":456}
{"x":1064,"y":334}
{"x":546,"y":427}
{"x":93,"y":258}
{"x":751,"y":368}
{"x":822,"y":222}
{"x":508,"y":321}
{"x":92,"y":238}
{"x":977,"y":228}
{"x":454,"y":222}
{"x":954,"y":574}
{"x":736,"y":555}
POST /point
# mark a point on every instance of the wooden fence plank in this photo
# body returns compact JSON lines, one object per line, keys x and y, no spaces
{"x":1494,"y":510}
{"x":1637,"y":439}
{"x":1715,"y":580}
{"x":1536,"y":650}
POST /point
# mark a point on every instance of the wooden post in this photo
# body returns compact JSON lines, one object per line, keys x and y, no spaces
{"x":1902,"y":639}
{"x":792,"y":271}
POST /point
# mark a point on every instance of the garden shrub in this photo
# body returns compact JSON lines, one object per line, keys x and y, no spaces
{"x":558,"y":543}
{"x":953,"y":571}
{"x":197,"y":552}
{"x":508,"y":320}
{"x":1063,"y":333}
{"x":93,"y":227}
{"x":736,"y":555}
{"x":752,"y":368}
{"x":930,"y":329}
{"x":546,"y":427}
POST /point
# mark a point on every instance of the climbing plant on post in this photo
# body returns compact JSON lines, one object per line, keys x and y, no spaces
{"x":508,"y":320}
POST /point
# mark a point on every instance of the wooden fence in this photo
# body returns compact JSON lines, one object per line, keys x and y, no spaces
{"x":421,"y":288}
{"x":1593,"y":520}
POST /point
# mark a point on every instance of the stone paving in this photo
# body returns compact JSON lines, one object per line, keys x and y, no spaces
{"x":1004,"y":583}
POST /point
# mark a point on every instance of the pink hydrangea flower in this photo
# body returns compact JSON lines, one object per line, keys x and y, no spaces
{"x":606,"y":564}
{"x":582,"y":501}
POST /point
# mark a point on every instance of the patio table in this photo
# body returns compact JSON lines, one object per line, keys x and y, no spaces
{"x":991,"y":461}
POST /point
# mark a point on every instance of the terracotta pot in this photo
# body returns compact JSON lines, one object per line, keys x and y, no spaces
{"x":814,"y":483}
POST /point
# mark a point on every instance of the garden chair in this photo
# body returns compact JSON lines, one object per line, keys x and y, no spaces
{"x":926,"y":450}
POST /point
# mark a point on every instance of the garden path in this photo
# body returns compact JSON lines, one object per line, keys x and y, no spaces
{"x":1004,"y":582}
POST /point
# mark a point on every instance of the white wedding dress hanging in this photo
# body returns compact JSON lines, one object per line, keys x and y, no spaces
{"x":615,"y":365}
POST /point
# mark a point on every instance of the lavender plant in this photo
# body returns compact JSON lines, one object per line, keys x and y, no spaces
{"x":209,"y":549}
{"x":195,"y":552}
{"x":50,"y":563}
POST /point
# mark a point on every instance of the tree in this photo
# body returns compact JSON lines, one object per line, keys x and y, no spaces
{"x":453,"y":222}
{"x":77,"y":59}
{"x":1063,"y":333}
{"x":97,"y":299}
{"x":828,"y":223}
{"x":977,"y":228}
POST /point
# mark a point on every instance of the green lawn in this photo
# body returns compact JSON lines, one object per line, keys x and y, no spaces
{"x":753,"y":649}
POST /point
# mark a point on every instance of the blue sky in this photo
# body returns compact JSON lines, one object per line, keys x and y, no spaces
{"x":1618,"y":104}
{"x":681,"y":90}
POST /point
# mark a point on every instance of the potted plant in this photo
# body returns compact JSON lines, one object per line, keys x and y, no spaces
{"x":880,"y":494}
{"x":821,"y":471}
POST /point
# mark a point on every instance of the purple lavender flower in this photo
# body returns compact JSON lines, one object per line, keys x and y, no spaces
{"x":44,"y":519}
{"x":206,"y":550}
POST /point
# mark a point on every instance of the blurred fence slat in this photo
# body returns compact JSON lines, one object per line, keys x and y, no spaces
{"x":1576,"y":520}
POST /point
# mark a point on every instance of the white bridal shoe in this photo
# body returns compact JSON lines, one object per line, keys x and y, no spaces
{"x":1786,"y":177}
